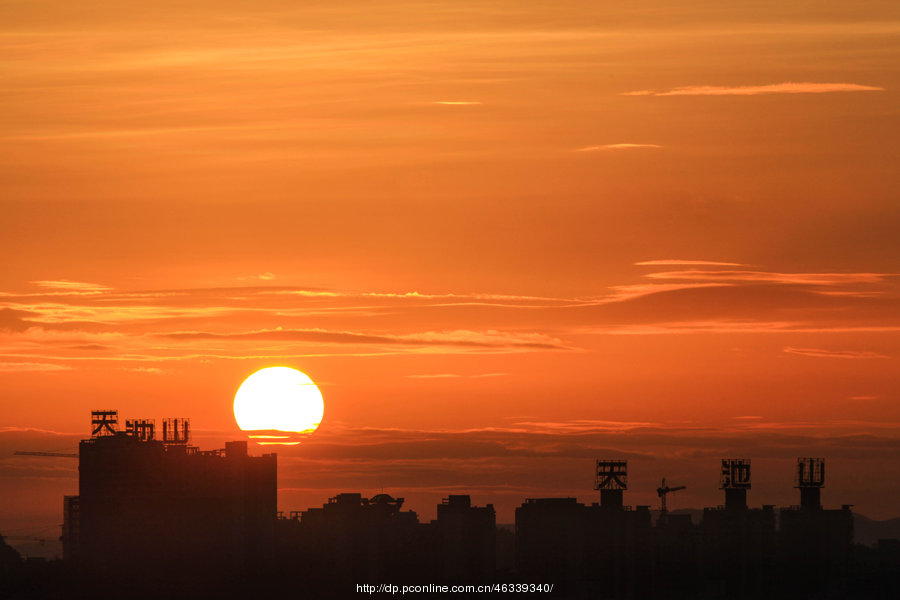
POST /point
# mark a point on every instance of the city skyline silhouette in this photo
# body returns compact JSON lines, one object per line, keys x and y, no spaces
{"x":209,"y":520}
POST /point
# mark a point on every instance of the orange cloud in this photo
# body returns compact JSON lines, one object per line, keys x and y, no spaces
{"x":820,"y":353}
{"x":14,"y":367}
{"x":678,"y":261}
{"x":767,"y":277}
{"x":616,"y":147}
{"x":465,"y":338}
{"x":72,"y":287}
{"x":755,"y":90}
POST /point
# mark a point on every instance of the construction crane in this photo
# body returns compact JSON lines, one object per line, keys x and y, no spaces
{"x":662,"y":491}
{"x":58,"y":454}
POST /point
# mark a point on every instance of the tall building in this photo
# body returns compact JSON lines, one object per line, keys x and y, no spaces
{"x":816,"y":542}
{"x":146,"y":504}
{"x":465,"y":540}
{"x":604,"y":547}
{"x":738,"y":542}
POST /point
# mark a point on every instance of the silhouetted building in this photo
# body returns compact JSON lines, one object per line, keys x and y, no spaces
{"x":738,"y":543}
{"x":552,"y":539}
{"x":815,"y":544}
{"x":605,"y":547}
{"x":466,"y":540}
{"x":675,"y":558}
{"x":146,"y":504}
{"x":355,"y":537}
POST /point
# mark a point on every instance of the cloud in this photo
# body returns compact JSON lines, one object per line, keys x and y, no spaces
{"x":18,"y":367}
{"x":588,"y":439}
{"x":779,"y":278}
{"x":628,"y":292}
{"x":616,"y":147}
{"x":678,"y":261}
{"x":11,"y":320}
{"x":819,"y":353}
{"x":72,"y":286}
{"x":151,"y":370}
{"x":435,"y":376}
{"x":727,"y":326}
{"x":454,"y":375}
{"x":457,"y":102}
{"x":755,"y":90}
{"x":583,"y":426}
{"x":465,"y":338}
{"x":91,"y":347}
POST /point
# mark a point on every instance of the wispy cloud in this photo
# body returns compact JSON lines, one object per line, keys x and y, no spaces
{"x":616,"y":147}
{"x":457,"y":102}
{"x":771,"y":277}
{"x":789,"y":87}
{"x":454,"y":375}
{"x":820,"y":353}
{"x":583,"y":426}
{"x":475,"y":339}
{"x":64,"y":285}
{"x":267,"y":276}
{"x":150,"y":370}
{"x":678,"y":261}
{"x":622,"y":293}
{"x":19,"y":367}
{"x":729,"y":326}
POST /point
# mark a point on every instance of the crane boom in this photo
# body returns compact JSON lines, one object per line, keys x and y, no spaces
{"x":662,"y":491}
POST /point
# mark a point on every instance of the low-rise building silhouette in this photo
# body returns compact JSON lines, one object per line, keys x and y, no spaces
{"x":356,"y":537}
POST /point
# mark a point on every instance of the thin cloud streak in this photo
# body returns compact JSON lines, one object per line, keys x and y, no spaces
{"x":490,"y":338}
{"x":825,"y":279}
{"x":8,"y":367}
{"x":454,"y":376}
{"x":727,"y":327}
{"x":756,"y":90}
{"x":678,"y":261}
{"x":820,"y":353}
{"x":616,"y":147}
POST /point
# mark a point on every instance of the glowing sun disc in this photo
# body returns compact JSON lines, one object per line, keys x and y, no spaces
{"x":278,"y":399}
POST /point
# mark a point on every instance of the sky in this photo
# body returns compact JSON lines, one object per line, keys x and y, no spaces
{"x":505,"y":238}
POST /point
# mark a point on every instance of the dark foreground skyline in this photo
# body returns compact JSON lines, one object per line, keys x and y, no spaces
{"x":208,"y":520}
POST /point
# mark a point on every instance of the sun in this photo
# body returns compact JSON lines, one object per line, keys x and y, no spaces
{"x":278,"y":405}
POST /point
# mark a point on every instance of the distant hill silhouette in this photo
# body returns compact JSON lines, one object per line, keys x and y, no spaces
{"x":868,"y":531}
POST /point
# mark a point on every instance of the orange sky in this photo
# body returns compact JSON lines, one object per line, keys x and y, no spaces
{"x":507,"y":238}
